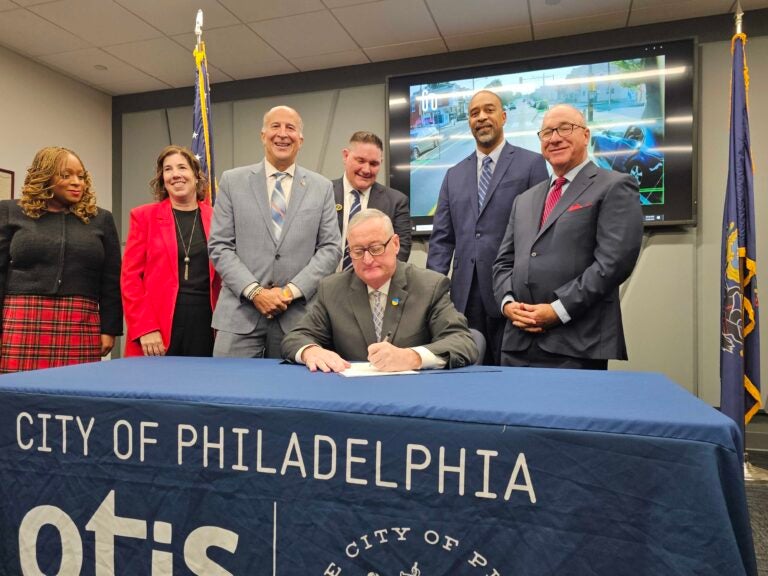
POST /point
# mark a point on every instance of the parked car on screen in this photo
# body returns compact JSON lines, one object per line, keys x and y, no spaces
{"x":634,"y":153}
{"x":423,"y":140}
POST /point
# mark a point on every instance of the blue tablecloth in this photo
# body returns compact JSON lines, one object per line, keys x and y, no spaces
{"x":219,"y":466}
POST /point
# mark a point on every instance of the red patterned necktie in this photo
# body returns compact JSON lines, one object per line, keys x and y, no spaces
{"x":552,"y":198}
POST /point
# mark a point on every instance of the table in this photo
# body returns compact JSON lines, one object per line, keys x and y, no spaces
{"x":161,"y":466}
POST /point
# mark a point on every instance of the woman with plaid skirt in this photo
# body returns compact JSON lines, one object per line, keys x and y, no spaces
{"x":59,"y":269}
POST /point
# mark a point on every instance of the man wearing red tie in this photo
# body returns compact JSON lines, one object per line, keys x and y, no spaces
{"x":570,"y":243}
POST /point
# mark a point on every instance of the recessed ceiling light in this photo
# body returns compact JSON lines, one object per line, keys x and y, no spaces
{"x":101,"y":67}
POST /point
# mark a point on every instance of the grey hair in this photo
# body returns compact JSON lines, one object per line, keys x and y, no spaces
{"x":370,"y":214}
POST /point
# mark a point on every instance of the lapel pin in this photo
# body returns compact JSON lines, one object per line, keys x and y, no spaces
{"x":395,"y":301}
{"x":339,"y":207}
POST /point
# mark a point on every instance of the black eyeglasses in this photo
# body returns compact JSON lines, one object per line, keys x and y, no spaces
{"x":563,"y":130}
{"x":373,"y":250}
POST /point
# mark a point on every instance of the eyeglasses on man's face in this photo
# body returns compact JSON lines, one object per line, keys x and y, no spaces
{"x":565,"y":129}
{"x":374,"y":250}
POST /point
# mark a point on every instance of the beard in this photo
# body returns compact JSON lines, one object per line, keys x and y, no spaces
{"x":486,"y":135}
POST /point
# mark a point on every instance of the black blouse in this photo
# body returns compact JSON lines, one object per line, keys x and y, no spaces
{"x":59,"y":255}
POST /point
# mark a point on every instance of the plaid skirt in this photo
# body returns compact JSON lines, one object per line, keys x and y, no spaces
{"x":45,"y":331}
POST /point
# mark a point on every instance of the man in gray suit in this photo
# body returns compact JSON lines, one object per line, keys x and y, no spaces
{"x":569,"y":244}
{"x":273,"y":237}
{"x":393,"y":314}
{"x":358,"y":190}
{"x":472,"y":213}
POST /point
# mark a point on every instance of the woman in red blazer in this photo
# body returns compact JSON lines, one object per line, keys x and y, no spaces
{"x":169,"y":286}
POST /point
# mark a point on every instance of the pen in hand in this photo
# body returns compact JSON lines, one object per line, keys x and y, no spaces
{"x":388,"y":337}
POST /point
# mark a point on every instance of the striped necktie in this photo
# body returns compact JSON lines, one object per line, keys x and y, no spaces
{"x":278,"y":204}
{"x":552,"y":198}
{"x":354,"y":209}
{"x":484,"y":182}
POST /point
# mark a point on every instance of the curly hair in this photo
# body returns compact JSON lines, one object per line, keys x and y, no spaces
{"x":42,"y":175}
{"x":158,"y":184}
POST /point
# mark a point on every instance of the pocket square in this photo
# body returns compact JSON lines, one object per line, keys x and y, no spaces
{"x":577,"y":206}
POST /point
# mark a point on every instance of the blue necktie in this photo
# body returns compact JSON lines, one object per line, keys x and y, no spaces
{"x":278,"y":204}
{"x":484,"y":182}
{"x":354,"y":209}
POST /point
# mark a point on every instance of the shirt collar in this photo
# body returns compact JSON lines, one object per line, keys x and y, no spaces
{"x":571,"y":174}
{"x":348,"y":187}
{"x":495,"y":153}
{"x":271,"y":170}
{"x":384,"y":289}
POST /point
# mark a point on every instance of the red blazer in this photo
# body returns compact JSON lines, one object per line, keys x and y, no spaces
{"x":149,"y":280}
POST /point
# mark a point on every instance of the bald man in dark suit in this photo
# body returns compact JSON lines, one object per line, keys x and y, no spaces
{"x":569,"y":245}
{"x":472,"y":214}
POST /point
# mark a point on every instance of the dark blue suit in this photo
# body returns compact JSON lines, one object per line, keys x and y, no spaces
{"x":472,"y":236}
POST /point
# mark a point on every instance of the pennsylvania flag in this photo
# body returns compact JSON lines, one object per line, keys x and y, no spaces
{"x":202,"y":131}
{"x":739,"y":325}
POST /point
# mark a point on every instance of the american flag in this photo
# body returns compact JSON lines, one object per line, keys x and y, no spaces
{"x":202,"y":130}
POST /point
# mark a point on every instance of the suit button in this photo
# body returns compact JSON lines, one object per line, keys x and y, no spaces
{"x":533,"y":254}
{"x":477,"y":234}
{"x":277,"y":256}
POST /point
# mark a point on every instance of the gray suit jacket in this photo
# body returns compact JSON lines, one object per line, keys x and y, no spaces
{"x":419,"y":312}
{"x":243,"y":248}
{"x":587,"y":247}
{"x":390,"y":201}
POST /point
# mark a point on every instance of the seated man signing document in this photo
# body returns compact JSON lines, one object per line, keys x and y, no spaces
{"x":390,"y":313}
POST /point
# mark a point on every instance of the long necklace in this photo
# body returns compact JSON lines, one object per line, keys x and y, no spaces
{"x":186,"y":247}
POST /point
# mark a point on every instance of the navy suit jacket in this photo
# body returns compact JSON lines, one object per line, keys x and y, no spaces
{"x":390,"y":201}
{"x":472,"y":236}
{"x":587,"y":247}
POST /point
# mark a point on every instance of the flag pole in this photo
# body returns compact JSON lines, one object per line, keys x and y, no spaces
{"x":202,"y":133}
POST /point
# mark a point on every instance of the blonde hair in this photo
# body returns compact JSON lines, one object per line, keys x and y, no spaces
{"x":42,"y":176}
{"x":158,"y":184}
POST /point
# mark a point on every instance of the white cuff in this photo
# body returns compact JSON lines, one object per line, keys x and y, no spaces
{"x":561,"y":312}
{"x":429,"y":361}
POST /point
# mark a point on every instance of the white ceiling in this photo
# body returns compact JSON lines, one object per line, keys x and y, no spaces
{"x":128,"y":46}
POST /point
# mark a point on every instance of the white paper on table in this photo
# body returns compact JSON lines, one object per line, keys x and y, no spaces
{"x":359,"y":369}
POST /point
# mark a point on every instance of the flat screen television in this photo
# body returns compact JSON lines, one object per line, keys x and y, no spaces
{"x":638,"y":102}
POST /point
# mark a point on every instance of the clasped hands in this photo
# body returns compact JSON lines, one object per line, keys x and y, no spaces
{"x":273,"y":301}
{"x":532,"y":318}
{"x":382,"y":356}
